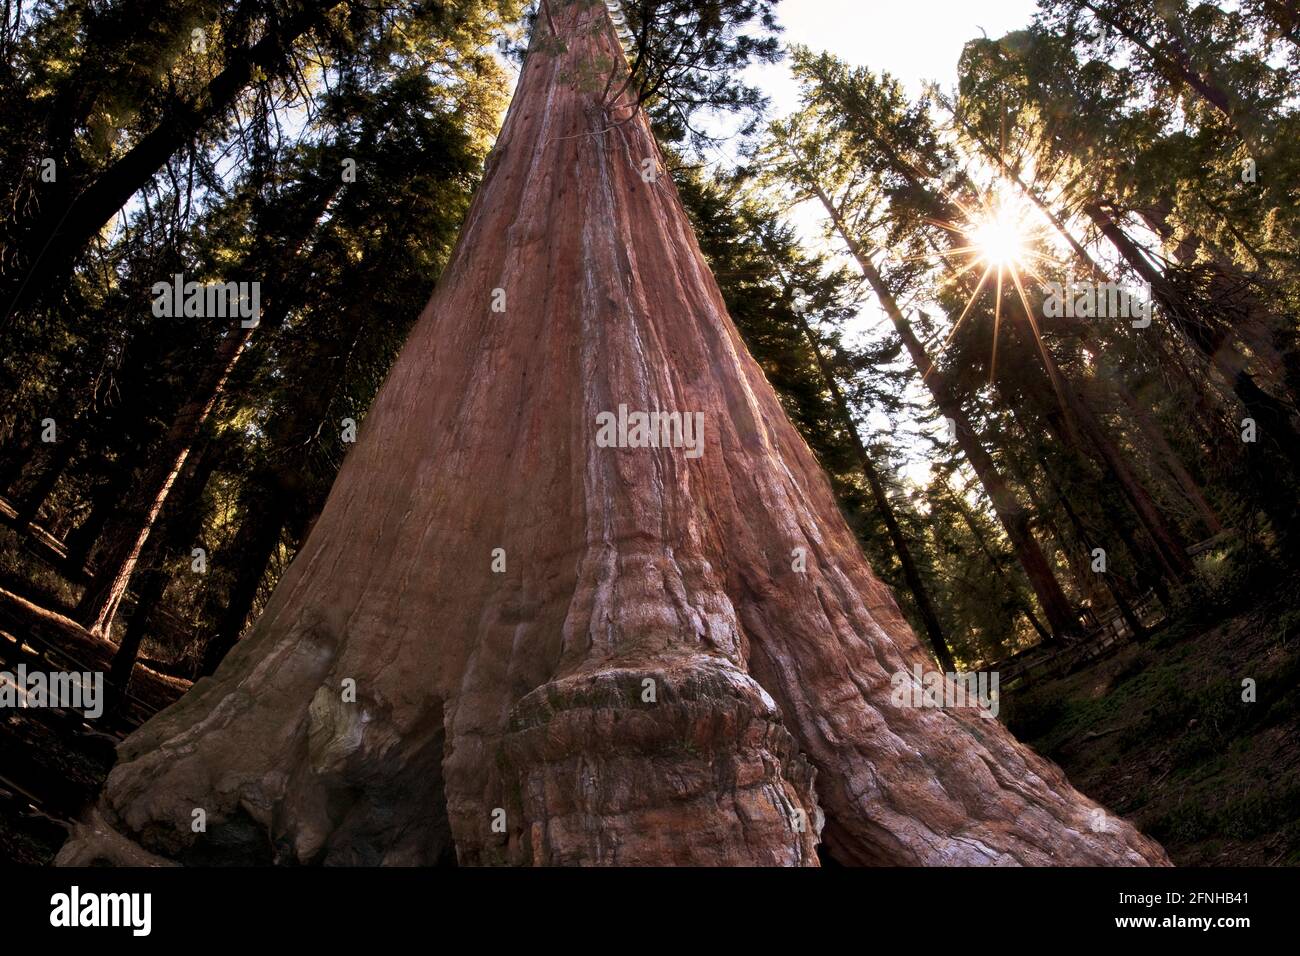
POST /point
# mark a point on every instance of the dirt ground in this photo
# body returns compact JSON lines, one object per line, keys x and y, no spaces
{"x":52,"y":762}
{"x":1160,"y":733}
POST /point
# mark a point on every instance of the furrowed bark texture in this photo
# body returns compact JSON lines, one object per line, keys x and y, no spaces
{"x":648,"y":681}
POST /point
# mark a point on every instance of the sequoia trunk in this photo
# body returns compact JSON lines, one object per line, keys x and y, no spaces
{"x":504,"y":637}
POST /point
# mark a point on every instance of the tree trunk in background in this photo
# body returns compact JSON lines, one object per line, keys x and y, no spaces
{"x":48,"y":479}
{"x":1273,"y":415}
{"x":1085,"y":581}
{"x":182,"y":528}
{"x":1126,"y":611}
{"x":1111,"y":579}
{"x":105,"y":499}
{"x":1174,"y":63}
{"x":648,"y":680}
{"x":1150,"y":567}
{"x":1151,"y":429}
{"x":13,"y":457}
{"x":1081,"y":423}
{"x":1173,"y":461}
{"x":254,"y":546}
{"x":996,"y":564}
{"x":116,"y":563}
{"x":56,"y":237}
{"x":1080,"y":567}
{"x":1276,"y":450}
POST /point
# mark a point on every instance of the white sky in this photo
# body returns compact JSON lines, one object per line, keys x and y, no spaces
{"x":915,"y":40}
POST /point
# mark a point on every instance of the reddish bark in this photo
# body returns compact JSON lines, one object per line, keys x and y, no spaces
{"x":525,"y":691}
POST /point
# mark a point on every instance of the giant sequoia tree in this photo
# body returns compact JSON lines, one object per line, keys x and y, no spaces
{"x":504,"y":641}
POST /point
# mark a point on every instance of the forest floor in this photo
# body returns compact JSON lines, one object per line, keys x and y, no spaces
{"x":52,"y":761}
{"x":1159,"y":733}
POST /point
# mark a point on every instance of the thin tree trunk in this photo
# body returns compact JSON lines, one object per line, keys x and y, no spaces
{"x":60,"y":457}
{"x":1080,"y":419}
{"x":17,"y":451}
{"x":267,"y":515}
{"x":1084,"y":579}
{"x":1163,"y":454}
{"x":1083,"y":573}
{"x":115,"y":565}
{"x":1272,"y":416}
{"x":996,"y":564}
{"x":182,"y":527}
{"x":1146,"y":555}
{"x":1108,"y":577}
{"x":1177,"y":65}
{"x":1143,"y":558}
{"x":1079,"y":422}
{"x":1153,"y":433}
{"x":994,"y":155}
{"x":105,"y":500}
{"x":151,"y":582}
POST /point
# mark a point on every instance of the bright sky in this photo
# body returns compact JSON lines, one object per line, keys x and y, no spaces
{"x":916,"y":41}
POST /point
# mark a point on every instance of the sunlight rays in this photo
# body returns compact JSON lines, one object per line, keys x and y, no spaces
{"x":1000,"y":234}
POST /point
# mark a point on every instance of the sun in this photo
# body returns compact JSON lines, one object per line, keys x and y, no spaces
{"x":999,"y":236}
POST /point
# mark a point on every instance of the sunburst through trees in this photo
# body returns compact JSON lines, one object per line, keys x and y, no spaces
{"x":999,"y":233}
